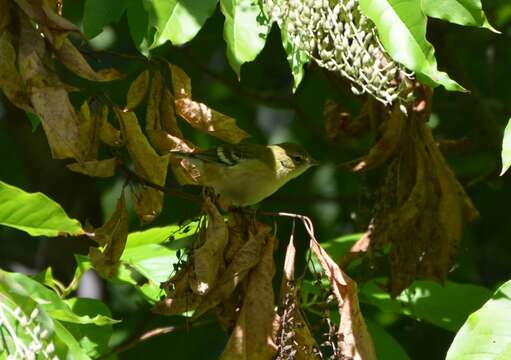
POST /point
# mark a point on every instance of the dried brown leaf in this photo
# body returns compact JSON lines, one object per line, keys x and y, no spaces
{"x":152,"y":117}
{"x":181,"y":83}
{"x":294,"y":334}
{"x":209,"y":258}
{"x":90,"y":127}
{"x":5,"y":15}
{"x":60,"y":122}
{"x":168,"y":114}
{"x":95,"y":168}
{"x":252,"y":336}
{"x":73,"y":59}
{"x":179,"y":298}
{"x":112,"y":235}
{"x":203,"y":118}
{"x":387,"y":144}
{"x":148,"y":165}
{"x":138,"y":90}
{"x":354,"y":341}
{"x":108,"y":134}
{"x":246,"y":258}
{"x":10,"y":80}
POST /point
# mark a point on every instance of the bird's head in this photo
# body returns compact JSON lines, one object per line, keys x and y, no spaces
{"x":291,"y":160}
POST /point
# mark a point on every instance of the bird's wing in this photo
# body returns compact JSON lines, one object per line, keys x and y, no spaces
{"x":228,"y":155}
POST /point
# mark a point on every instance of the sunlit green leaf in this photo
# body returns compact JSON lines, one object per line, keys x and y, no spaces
{"x":51,"y":302}
{"x":296,"y":58}
{"x":138,"y":22}
{"x":462,"y":12}
{"x":506,"y":149}
{"x":178,"y":20}
{"x":486,"y":335}
{"x":245,"y":31}
{"x":93,"y":339}
{"x":34,"y":213}
{"x":402,"y":30}
{"x":445,"y":306}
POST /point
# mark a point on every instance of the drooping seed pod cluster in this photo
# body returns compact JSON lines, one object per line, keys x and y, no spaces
{"x":336,"y":35}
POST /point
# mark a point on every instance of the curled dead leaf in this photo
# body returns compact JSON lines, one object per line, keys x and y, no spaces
{"x":73,"y":59}
{"x":387,"y":144}
{"x":181,"y":83}
{"x":203,"y":118}
{"x":168,"y":114}
{"x":252,"y":336}
{"x":152,"y":117}
{"x":108,"y":134}
{"x":138,"y":90}
{"x":10,"y":80}
{"x":149,"y":166}
{"x":209,"y":258}
{"x":112,"y":235}
{"x":354,"y":341}
{"x":95,"y":168}
{"x":246,"y":258}
{"x":179,"y":298}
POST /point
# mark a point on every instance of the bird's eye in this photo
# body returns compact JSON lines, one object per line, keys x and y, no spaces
{"x":297,"y":158}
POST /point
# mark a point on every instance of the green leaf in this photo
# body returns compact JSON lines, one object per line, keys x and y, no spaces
{"x":461,"y":12}
{"x":152,"y":261}
{"x":506,"y":149}
{"x":178,"y":20}
{"x":445,"y":306}
{"x":486,"y":335}
{"x":138,"y":22}
{"x":75,"y":351}
{"x":50,"y":301}
{"x":34,"y":213}
{"x":157,"y":235}
{"x":245,"y":31}
{"x":336,"y":248}
{"x":93,"y":339}
{"x":296,"y":58}
{"x":385,"y":345}
{"x":402,"y":30}
{"x":99,"y":13}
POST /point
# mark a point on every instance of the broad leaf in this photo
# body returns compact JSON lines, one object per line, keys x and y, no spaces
{"x":50,"y":302}
{"x":138,"y":23}
{"x":244,"y":31}
{"x":506,"y":149}
{"x":34,"y":213}
{"x":296,"y":58}
{"x":385,"y":345}
{"x":486,"y":335}
{"x":402,"y":30}
{"x":461,"y":12}
{"x":445,"y":306}
{"x":99,"y":13}
{"x":178,"y":20}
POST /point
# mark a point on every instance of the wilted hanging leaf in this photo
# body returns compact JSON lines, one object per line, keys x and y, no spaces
{"x":10,"y":80}
{"x":252,"y":336}
{"x":5,"y":15}
{"x":73,"y":59}
{"x":112,"y":235}
{"x":152,"y":117}
{"x":168,"y":114}
{"x":209,"y":258}
{"x":107,"y":133}
{"x":179,"y":297}
{"x":138,"y":90}
{"x":354,"y":341}
{"x":201,"y":117}
{"x":294,"y":338}
{"x":90,"y":126}
{"x":246,"y":258}
{"x":96,"y":168}
{"x":54,"y":26}
{"x":59,"y":121}
{"x":148,"y":165}
{"x":387,"y":144}
{"x":181,"y":83}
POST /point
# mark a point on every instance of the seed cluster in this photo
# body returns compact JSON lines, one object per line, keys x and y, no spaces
{"x":336,"y":35}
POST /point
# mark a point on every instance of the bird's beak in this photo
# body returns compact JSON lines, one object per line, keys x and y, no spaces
{"x":313,"y":162}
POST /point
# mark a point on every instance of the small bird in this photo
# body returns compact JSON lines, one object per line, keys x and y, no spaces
{"x":245,"y":174}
